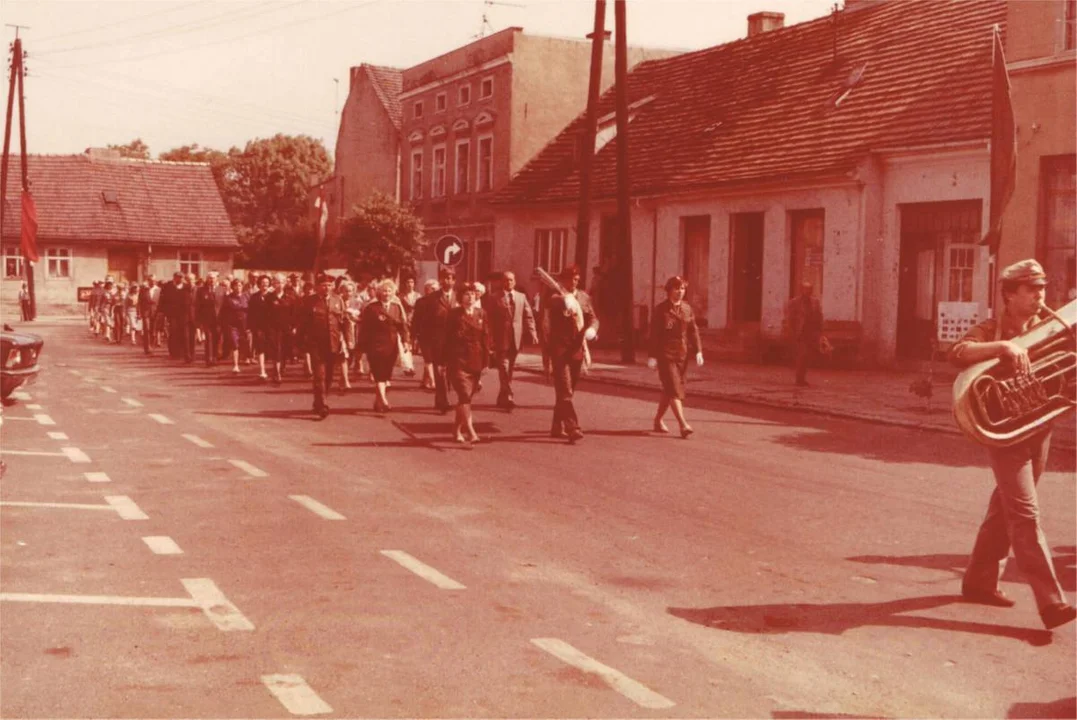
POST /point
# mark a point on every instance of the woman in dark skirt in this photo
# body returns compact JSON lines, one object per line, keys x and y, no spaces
{"x":383,"y":331}
{"x":234,"y":319}
{"x":468,"y":347}
{"x":674,"y":338}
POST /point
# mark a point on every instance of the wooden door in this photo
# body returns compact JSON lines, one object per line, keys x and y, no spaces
{"x":123,"y":264}
{"x":697,"y":254}
{"x":746,"y":263}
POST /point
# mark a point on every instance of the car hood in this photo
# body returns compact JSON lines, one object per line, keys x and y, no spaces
{"x":21,"y":338}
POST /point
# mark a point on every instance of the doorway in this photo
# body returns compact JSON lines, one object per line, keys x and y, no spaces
{"x":746,"y":262}
{"x":123,"y":264}
{"x":696,"y":230}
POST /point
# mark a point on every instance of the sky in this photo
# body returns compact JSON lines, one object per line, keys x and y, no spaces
{"x":222,"y":72}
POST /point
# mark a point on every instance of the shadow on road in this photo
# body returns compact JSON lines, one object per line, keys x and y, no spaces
{"x":809,"y":715}
{"x":1065,"y":564}
{"x":836,"y":618}
{"x":1063,"y":708}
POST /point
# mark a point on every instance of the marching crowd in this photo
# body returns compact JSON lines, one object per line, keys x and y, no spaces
{"x":335,"y":327}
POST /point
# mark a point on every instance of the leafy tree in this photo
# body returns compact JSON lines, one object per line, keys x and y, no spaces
{"x":135,"y":149}
{"x":381,"y":238}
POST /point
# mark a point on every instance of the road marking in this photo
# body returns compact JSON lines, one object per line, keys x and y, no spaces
{"x":107,"y":389}
{"x":44,"y":419}
{"x":20,"y":395}
{"x":198,"y":441}
{"x":97,"y":477}
{"x":76,"y":506}
{"x":620,"y":682}
{"x":16,"y":417}
{"x":132,"y":402}
{"x":58,"y":435}
{"x":161,"y":419}
{"x":126,"y":508}
{"x":74,"y":372}
{"x":248,"y":468}
{"x":99,"y":600}
{"x":41,"y":453}
{"x":75,"y":455}
{"x":215,"y":605}
{"x":33,"y":406}
{"x":316,"y":507}
{"x":295,"y":695}
{"x":162,"y":545}
{"x":423,"y":570}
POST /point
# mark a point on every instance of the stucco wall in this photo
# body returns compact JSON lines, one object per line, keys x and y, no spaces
{"x":366,"y":152}
{"x":1034,"y":28}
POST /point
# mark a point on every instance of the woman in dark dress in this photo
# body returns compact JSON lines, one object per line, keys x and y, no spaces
{"x":383,"y":331}
{"x":234,"y":320}
{"x":468,"y":347}
{"x":674,"y":338}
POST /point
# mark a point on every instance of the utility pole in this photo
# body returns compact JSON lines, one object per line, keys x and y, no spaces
{"x":624,"y":219}
{"x":17,"y":72}
{"x":587,"y":146}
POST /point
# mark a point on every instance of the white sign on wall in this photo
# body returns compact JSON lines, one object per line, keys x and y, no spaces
{"x":955,"y":319}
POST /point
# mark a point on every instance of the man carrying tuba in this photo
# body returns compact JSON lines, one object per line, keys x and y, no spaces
{"x":1013,"y":514}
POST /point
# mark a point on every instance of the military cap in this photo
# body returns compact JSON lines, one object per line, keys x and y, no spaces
{"x":1025,"y":272}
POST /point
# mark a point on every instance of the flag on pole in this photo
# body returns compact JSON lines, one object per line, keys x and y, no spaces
{"x":1003,"y":142}
{"x":29,"y":227}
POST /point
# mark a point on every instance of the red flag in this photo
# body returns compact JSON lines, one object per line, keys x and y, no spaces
{"x":29,"y":227}
{"x":1003,"y":143}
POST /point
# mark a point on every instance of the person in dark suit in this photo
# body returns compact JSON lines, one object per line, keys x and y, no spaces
{"x":208,"y":311}
{"x":383,"y":332}
{"x":674,"y":338}
{"x":805,"y":319}
{"x":434,"y":321}
{"x":572,"y":323}
{"x":509,"y":314}
{"x":277,"y":318}
{"x":178,"y":305}
{"x":467,"y":351}
{"x":256,"y":322}
{"x":418,"y":328}
{"x":324,"y":330}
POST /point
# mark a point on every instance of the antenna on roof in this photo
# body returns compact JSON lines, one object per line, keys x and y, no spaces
{"x":486,"y":24}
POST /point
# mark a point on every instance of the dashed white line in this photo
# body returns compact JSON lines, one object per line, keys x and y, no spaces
{"x":40,"y":453}
{"x":423,"y":570}
{"x":249,"y":469}
{"x":126,"y":507}
{"x":97,"y":477}
{"x":107,"y":389}
{"x":634,"y":691}
{"x":33,"y":406}
{"x":55,"y":435}
{"x":21,"y":395}
{"x":161,"y":419}
{"x":74,"y":372}
{"x":75,"y":455}
{"x":99,"y":600}
{"x":130,"y":401}
{"x":295,"y":695}
{"x":162,"y":545}
{"x":197,"y":441}
{"x":316,"y":507}
{"x":215,"y":605}
{"x":73,"y":506}
{"x":44,"y":419}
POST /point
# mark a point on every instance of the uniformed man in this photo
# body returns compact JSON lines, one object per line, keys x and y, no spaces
{"x":324,"y":332}
{"x":572,"y":323}
{"x":1013,"y":518}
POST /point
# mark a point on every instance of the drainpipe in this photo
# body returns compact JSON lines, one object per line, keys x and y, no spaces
{"x":654,"y":261}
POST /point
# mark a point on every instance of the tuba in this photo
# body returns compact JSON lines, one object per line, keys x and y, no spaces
{"x":997,"y":406}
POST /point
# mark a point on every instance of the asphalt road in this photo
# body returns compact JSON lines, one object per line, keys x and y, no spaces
{"x":197,"y":544}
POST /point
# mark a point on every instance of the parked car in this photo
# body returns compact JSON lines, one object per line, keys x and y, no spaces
{"x":19,"y":352}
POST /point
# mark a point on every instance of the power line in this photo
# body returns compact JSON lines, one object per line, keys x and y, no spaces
{"x":166,"y":11}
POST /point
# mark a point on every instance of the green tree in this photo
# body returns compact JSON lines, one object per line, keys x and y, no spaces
{"x":382,"y":237}
{"x":135,"y":149}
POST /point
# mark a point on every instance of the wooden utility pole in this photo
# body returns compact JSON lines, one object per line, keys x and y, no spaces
{"x":624,"y":219}
{"x":17,"y":71}
{"x":587,"y":144}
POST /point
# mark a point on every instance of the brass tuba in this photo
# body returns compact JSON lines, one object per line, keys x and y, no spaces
{"x":996,"y":406}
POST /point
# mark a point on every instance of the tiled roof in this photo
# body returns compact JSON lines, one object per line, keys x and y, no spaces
{"x":388,"y":83}
{"x":763,"y":109}
{"x":162,"y":203}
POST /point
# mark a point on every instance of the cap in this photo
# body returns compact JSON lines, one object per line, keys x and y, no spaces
{"x":1028,"y":272}
{"x":323,"y":278}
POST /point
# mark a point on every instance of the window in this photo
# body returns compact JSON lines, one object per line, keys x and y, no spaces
{"x":416,"y":174}
{"x":190,"y":262}
{"x":418,"y":111}
{"x":463,"y":163}
{"x":486,"y":164}
{"x":1070,"y":26}
{"x":1058,"y":239}
{"x":960,"y":265}
{"x":463,"y":95}
{"x":486,"y":88}
{"x":59,"y":262}
{"x":13,"y":261}
{"x":440,"y":102}
{"x":551,"y":249}
{"x":437,"y":187}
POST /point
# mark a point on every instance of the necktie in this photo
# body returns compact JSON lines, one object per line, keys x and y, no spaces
{"x":512,"y":306}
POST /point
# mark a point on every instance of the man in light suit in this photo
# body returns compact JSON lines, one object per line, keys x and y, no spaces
{"x":510,"y":314}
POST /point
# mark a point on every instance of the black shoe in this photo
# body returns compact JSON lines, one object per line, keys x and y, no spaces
{"x":995,"y":598}
{"x":558,"y":434}
{"x":802,"y":383}
{"x":574,"y":435}
{"x":1055,"y":615}
{"x":322,"y":412}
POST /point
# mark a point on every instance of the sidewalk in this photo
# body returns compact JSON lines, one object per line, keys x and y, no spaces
{"x":874,"y":396}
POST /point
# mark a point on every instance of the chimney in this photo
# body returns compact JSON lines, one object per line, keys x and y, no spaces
{"x":761,"y":22}
{"x":853,"y":5}
{"x":103,"y":153}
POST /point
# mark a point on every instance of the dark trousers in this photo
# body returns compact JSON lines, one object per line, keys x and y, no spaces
{"x":212,"y":331}
{"x":803,"y":352}
{"x":25,"y":306}
{"x":566,"y":373}
{"x":506,"y":365}
{"x":149,"y":330}
{"x":181,"y":338}
{"x":323,"y":363}
{"x":441,"y":387}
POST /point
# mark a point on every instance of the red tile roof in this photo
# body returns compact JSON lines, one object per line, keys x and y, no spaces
{"x":163,"y":203}
{"x":763,"y":109}
{"x":388,"y":83}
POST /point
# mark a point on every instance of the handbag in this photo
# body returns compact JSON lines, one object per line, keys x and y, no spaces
{"x":404,"y":358}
